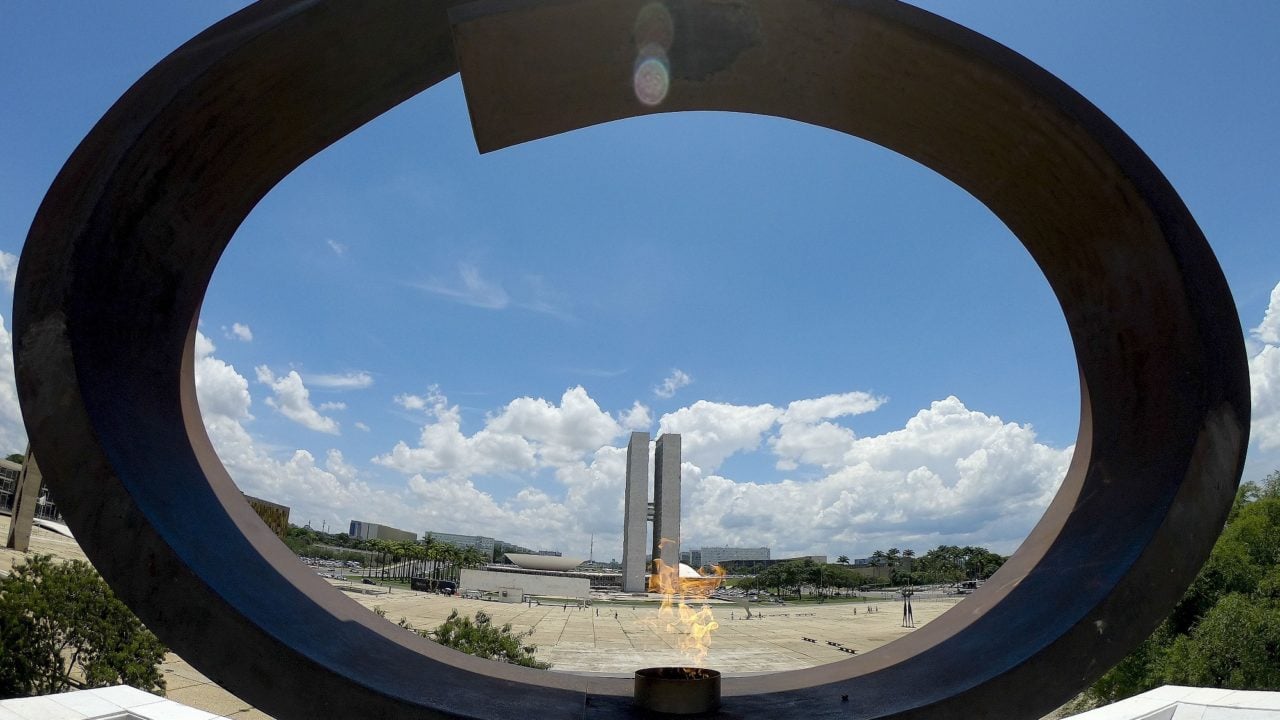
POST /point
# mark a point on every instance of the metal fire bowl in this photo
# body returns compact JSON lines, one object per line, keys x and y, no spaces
{"x":678,"y":690}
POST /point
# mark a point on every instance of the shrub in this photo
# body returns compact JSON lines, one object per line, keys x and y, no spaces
{"x":483,"y":639}
{"x":62,"y":628}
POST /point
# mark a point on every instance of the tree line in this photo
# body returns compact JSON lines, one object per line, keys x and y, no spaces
{"x":945,"y":564}
{"x":791,"y":578}
{"x":387,"y":559}
{"x":942,"y":565}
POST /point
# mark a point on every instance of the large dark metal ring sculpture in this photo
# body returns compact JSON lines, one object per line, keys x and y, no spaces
{"x":123,"y":247}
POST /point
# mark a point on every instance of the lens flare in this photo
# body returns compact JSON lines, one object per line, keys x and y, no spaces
{"x":654,"y":32}
{"x":652,"y":80}
{"x":654,"y":26}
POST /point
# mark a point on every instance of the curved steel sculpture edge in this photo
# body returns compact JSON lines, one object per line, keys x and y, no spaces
{"x":122,"y":249}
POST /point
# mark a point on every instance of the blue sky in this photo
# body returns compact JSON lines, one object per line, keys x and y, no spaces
{"x":858,"y":354}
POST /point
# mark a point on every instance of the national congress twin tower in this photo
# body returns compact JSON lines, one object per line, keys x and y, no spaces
{"x":665,"y":512}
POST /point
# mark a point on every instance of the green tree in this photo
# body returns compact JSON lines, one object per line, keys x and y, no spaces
{"x":773,"y":577}
{"x":61,"y":628}
{"x":16,"y":458}
{"x":845,"y":577}
{"x":1233,"y":646}
{"x":980,"y":563}
{"x":943,"y":564}
{"x":435,"y":554}
{"x":484,"y":639}
{"x":472,"y":558}
{"x":843,"y":559}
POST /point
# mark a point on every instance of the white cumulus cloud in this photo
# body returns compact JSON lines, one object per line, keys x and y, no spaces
{"x":8,"y":269}
{"x":1268,"y":331}
{"x":1264,"y":378}
{"x":311,"y":491}
{"x":238,"y":331}
{"x":829,"y":407}
{"x":443,"y":449}
{"x":673,"y":382}
{"x":220,"y":390}
{"x":637,"y":418}
{"x":292,"y":399}
{"x":13,"y":434}
{"x":526,"y":434}
{"x":417,"y":402}
{"x":712,"y":431}
{"x":807,"y":437}
{"x":950,"y":475}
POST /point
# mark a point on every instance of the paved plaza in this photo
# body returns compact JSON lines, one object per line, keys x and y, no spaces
{"x":617,"y":640}
{"x":603,"y":638}
{"x":43,"y":542}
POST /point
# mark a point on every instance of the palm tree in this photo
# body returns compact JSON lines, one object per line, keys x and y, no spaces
{"x":843,"y":559}
{"x":450,"y":555}
{"x":435,"y":553}
{"x":382,"y":547}
{"x":419,"y":555}
{"x":878,"y":558}
{"x":472,"y":557}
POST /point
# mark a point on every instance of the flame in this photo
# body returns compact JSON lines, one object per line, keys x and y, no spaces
{"x":693,"y":626}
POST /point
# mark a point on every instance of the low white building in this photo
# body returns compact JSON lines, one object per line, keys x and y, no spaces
{"x":513,"y":586}
{"x":1177,"y":702}
{"x":120,"y":702}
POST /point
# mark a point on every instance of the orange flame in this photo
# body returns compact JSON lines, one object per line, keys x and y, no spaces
{"x":694,"y":627}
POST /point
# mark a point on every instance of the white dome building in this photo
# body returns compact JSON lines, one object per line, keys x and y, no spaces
{"x":543,"y":562}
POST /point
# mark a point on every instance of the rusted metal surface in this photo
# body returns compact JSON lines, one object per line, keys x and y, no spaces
{"x":677,"y":690}
{"x":122,"y":249}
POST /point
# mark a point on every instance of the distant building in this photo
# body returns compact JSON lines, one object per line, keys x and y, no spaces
{"x":479,"y":542}
{"x":9,"y":473}
{"x":817,"y":559}
{"x":692,"y":558}
{"x":374,"y":531}
{"x":276,"y":516}
{"x":719,"y":555}
{"x":754,"y":566}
